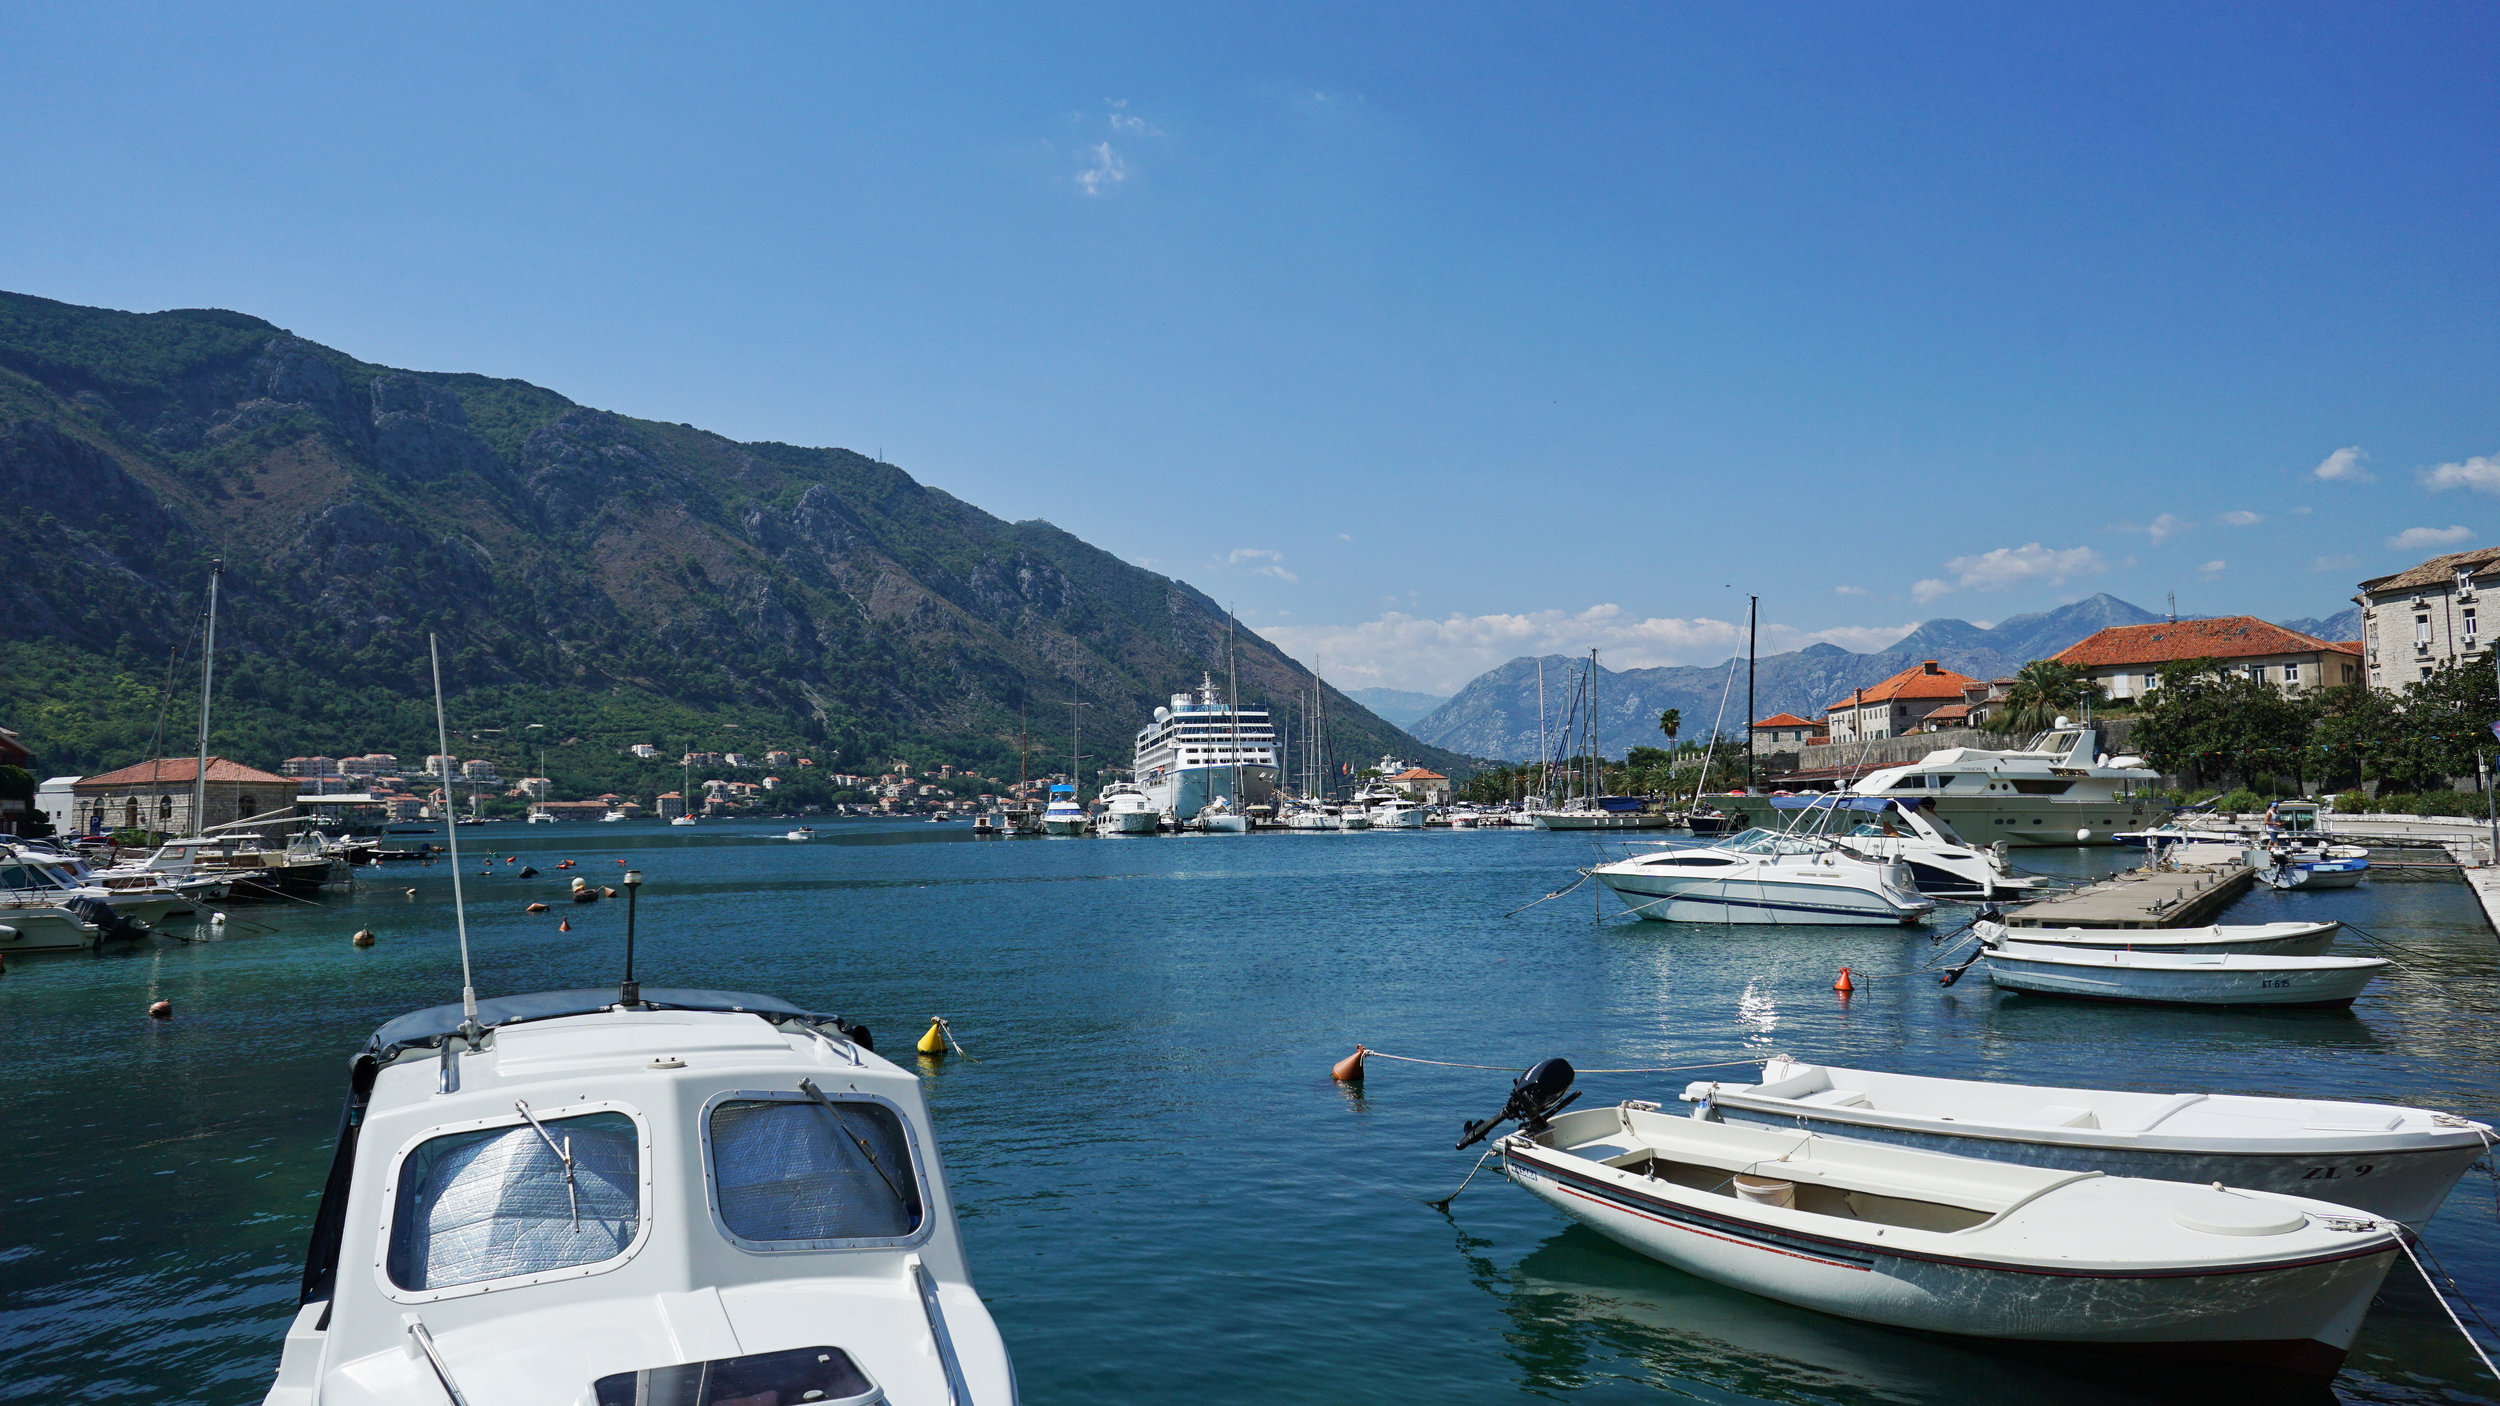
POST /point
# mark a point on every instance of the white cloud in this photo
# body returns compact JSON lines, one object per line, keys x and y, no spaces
{"x":2344,"y":464}
{"x":2028,"y":564}
{"x":1345,"y":536}
{"x":1439,"y":656}
{"x":1848,"y":590}
{"x":2482,"y":471}
{"x":2414,"y":539}
{"x":2213,"y":568}
{"x":1122,"y":120}
{"x":1259,"y":561}
{"x":2167,"y":525}
{"x":2242,"y":518}
{"x":1107,"y":170}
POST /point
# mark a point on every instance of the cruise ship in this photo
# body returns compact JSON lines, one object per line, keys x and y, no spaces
{"x":1186,"y":756}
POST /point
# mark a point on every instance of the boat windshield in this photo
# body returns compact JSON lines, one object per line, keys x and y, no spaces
{"x":798,"y":1173}
{"x":521,"y":1199}
{"x":1761,"y":841}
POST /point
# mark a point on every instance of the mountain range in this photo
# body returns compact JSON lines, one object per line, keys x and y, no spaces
{"x":1496,"y":714}
{"x":583,"y":568}
{"x":1397,"y":705}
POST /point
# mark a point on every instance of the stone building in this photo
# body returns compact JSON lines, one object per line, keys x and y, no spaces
{"x":2416,"y":620}
{"x":157,"y":796}
{"x":1896,"y":706}
{"x":2126,"y":660}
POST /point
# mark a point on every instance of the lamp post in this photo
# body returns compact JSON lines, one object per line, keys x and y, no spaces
{"x":629,"y":991}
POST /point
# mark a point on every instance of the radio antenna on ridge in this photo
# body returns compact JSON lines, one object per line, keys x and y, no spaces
{"x":451,"y":827}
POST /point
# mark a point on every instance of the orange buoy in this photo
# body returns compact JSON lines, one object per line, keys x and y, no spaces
{"x":1844,"y":986}
{"x":1349,"y":1070}
{"x":363,"y":937}
{"x":512,"y":859}
{"x":611,"y":893}
{"x":536,"y":908}
{"x":565,"y":926}
{"x":162,"y":1010}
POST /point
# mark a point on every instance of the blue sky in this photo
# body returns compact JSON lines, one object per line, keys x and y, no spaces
{"x":1428,"y":336}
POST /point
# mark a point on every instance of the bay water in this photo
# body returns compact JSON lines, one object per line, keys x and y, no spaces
{"x":1166,"y":1197}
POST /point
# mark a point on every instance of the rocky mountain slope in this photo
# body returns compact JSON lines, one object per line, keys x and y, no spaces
{"x":561,"y":551}
{"x":1495,"y":715}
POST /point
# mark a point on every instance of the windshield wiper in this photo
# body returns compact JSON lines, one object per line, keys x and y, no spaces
{"x":564,"y":1154}
{"x":808,"y":1087}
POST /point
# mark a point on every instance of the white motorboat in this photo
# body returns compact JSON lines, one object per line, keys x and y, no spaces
{"x":540,"y":817}
{"x":1126,"y":810}
{"x":1308,"y":819}
{"x":1353,"y":817}
{"x":687,"y":819}
{"x":612,"y":816}
{"x":2268,"y":939}
{"x":613,"y":1196}
{"x":1763,"y":877}
{"x":135,"y":892}
{"x":2311,"y":865}
{"x":2395,"y":1162}
{"x":1957,"y":1245}
{"x":2189,"y":978}
{"x":801,"y":833}
{"x":1063,"y":816}
{"x":43,"y":922}
{"x":1942,"y":863}
{"x":1397,"y":812}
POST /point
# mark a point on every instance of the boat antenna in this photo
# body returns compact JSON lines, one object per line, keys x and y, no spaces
{"x":208,"y":679}
{"x":451,"y":827}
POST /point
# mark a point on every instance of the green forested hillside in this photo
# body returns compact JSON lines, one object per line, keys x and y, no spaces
{"x":615,"y":579}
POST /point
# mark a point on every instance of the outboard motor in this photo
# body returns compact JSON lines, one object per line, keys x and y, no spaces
{"x":1535,"y":1097}
{"x":108,"y":921}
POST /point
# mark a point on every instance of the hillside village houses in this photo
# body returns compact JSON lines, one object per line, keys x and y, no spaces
{"x":2415,"y":621}
{"x":2126,"y":660}
{"x":1897,"y":706}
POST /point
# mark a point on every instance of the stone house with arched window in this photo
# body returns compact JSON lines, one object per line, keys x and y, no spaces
{"x":157,"y":796}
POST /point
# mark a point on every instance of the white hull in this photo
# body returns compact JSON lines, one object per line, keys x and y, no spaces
{"x":2395,"y":1162}
{"x":2221,"y":979}
{"x":2255,"y":939}
{"x":1397,"y":817}
{"x":1126,"y":822}
{"x":2298,"y":1319}
{"x":1222,"y":824}
{"x":1053,"y":825}
{"x":1808,"y":888}
{"x":1353,"y":820}
{"x":43,"y":930}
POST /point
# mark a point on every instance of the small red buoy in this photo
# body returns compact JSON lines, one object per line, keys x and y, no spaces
{"x":1349,"y":1070}
{"x":565,"y":926}
{"x":609,"y":892}
{"x":1844,"y":986}
{"x":536,"y":908}
{"x":512,"y":859}
{"x":162,"y":1010}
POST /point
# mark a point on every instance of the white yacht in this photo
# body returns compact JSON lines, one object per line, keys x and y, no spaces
{"x":1126,"y":811}
{"x":1063,"y":816}
{"x":620,"y":1197}
{"x":1309,"y":818}
{"x":1397,"y":813}
{"x":614,"y":815}
{"x":1944,"y":864}
{"x":1761,"y":876}
{"x":540,"y":817}
{"x":2058,"y":789}
{"x":1192,"y":751}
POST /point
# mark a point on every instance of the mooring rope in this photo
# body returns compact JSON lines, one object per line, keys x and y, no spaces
{"x":1514,"y":1069}
{"x":1558,"y":893}
{"x":1443,"y":1205}
{"x":2433,"y":1284}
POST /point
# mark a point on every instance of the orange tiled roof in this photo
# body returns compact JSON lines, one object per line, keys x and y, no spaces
{"x":1418,"y":774}
{"x":2169,"y":641}
{"x":1785,"y":720}
{"x":180,"y":771}
{"x":1925,"y":681}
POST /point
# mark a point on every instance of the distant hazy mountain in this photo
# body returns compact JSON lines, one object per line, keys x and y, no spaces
{"x":1495,"y":715}
{"x":2345,"y":625}
{"x":1396,"y":706}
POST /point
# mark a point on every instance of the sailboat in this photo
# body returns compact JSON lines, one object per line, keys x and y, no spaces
{"x":1592,"y":810}
{"x":1224,"y":814}
{"x":620,"y":1195}
{"x":1065,"y":815}
{"x":686,"y":793}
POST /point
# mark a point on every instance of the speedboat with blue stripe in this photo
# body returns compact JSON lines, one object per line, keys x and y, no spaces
{"x":1762,"y":876}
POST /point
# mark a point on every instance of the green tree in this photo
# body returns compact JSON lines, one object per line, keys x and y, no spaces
{"x":1671,"y":722}
{"x":2208,"y":720}
{"x":2044,"y":690}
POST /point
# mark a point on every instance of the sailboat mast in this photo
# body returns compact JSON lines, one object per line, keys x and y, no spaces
{"x":1544,"y":743}
{"x":208,"y":678}
{"x":1753,"y":611}
{"x":1232,"y":709}
{"x":1596,"y":775}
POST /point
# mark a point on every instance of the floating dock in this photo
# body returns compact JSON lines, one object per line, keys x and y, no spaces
{"x":2182,"y":898}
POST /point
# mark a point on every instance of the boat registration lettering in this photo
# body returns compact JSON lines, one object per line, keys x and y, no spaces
{"x":2329,"y":1173}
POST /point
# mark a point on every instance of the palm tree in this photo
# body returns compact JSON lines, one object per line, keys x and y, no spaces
{"x":1671,"y":722}
{"x":2043,"y":690}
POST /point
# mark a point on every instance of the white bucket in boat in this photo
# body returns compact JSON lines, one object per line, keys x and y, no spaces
{"x":1766,"y":1191}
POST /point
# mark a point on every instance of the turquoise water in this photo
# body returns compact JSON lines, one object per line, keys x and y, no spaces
{"x":1166,"y":1197}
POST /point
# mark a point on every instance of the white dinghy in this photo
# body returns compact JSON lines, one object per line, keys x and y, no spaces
{"x":2395,"y":1162}
{"x":2266,"y":939}
{"x":1945,"y":1244}
{"x":2185,"y":979}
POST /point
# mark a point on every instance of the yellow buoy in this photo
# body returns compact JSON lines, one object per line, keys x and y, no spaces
{"x":933,"y":1044}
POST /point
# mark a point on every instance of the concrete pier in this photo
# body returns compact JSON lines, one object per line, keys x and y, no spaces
{"x":2135,"y":899}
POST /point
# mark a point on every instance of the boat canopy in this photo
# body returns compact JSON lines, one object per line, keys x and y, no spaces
{"x":428,"y":1028}
{"x":1869,"y":804}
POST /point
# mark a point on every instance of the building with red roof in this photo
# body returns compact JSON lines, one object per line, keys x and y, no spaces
{"x":156,"y":795}
{"x":1898,"y":705}
{"x":2126,"y":660}
{"x":1787,"y":730}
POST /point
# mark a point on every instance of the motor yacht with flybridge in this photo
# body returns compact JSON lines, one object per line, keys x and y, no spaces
{"x":1762,"y":876}
{"x":1192,"y":751}
{"x":634,"y":1197}
{"x":2057,"y":789}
